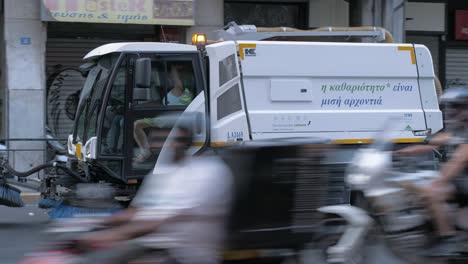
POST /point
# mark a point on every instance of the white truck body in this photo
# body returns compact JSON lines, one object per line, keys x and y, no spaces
{"x":267,"y":90}
{"x":341,"y":91}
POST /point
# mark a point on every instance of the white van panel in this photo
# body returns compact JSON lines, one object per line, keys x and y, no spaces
{"x":332,"y":107}
{"x":350,"y":89}
{"x":428,"y":93}
{"x":324,"y":59}
{"x":228,"y":118}
{"x":298,"y":90}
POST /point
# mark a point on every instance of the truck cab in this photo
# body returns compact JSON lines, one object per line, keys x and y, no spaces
{"x":117,"y":116}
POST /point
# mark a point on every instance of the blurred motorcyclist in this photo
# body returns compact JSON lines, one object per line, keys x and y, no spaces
{"x":453,"y":179}
{"x":182,"y":212}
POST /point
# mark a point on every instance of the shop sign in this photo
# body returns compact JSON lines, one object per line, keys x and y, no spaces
{"x":461,"y":25}
{"x":150,"y":12}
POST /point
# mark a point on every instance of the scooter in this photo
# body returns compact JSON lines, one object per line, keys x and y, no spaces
{"x":391,"y":191}
{"x":279,"y":215}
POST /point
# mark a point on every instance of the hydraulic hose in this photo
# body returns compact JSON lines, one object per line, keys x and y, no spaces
{"x":41,"y":167}
{"x":388,"y":35}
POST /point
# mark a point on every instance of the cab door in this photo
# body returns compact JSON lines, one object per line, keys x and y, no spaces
{"x":111,"y":147}
{"x":228,"y":113}
{"x":90,"y":108}
{"x":176,"y":85}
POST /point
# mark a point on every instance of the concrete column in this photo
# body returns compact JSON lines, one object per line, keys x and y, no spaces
{"x":2,"y":76}
{"x":399,"y":19}
{"x":393,"y":18}
{"x":328,"y":13}
{"x":377,"y":9}
{"x":389,"y":14}
{"x":24,"y":49}
{"x":209,"y":16}
{"x":362,"y":13}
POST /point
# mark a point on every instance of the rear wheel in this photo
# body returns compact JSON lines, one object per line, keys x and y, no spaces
{"x":408,"y":246}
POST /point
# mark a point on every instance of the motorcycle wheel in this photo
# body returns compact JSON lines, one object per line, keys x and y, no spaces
{"x":400,"y":246}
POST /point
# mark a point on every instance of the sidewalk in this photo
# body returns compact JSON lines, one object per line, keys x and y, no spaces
{"x":29,"y":196}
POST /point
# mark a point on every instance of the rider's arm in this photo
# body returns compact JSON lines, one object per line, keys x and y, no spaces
{"x":455,"y":165}
{"x":138,"y":228}
{"x":203,"y":198}
{"x":440,"y":139}
{"x":120,"y":218}
{"x":434,"y":143}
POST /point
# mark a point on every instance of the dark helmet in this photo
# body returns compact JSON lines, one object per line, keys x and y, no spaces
{"x":180,"y":125}
{"x":454,"y":102}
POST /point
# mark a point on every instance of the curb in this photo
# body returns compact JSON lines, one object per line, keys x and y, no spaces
{"x":30,"y":197}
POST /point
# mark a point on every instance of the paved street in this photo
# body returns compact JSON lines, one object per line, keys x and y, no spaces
{"x":20,"y":230}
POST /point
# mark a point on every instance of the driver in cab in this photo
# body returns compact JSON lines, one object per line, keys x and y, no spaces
{"x":177,"y":95}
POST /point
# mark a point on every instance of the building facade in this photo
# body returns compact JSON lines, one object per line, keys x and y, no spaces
{"x":44,"y":42}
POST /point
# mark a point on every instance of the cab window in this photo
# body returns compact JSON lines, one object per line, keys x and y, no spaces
{"x":173,"y":87}
{"x":172,"y":84}
{"x":91,"y":98}
{"x":114,"y":115}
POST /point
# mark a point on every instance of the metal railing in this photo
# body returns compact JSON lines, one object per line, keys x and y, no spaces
{"x":13,"y":150}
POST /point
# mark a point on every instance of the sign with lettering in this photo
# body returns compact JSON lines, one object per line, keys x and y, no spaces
{"x":25,"y":41}
{"x":369,"y":94}
{"x":150,"y":12}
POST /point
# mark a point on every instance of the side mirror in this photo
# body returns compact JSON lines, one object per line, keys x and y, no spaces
{"x":85,"y":68}
{"x":143,"y":73}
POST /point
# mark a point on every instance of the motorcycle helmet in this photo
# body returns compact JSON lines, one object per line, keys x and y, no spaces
{"x":454,"y":102}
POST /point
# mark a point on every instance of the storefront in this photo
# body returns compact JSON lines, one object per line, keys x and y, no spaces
{"x":74,"y":27}
{"x":456,"y":44}
{"x":426,"y":24}
{"x":267,"y":14}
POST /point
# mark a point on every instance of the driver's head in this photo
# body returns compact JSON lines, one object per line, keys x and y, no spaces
{"x":173,"y":73}
{"x":454,"y":102}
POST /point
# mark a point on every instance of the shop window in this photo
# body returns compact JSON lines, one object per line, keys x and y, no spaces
{"x":266,"y":14}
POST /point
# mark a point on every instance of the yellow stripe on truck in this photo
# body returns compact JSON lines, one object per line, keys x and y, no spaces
{"x":220,"y":144}
{"x":244,"y":46}
{"x":213,"y":144}
{"x":336,"y":141}
{"x":370,"y":140}
{"x":352,"y":141}
{"x":411,"y":50}
{"x":409,"y":140}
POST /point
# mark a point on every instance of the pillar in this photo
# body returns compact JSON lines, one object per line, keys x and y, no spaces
{"x":24,"y":39}
{"x":209,"y":16}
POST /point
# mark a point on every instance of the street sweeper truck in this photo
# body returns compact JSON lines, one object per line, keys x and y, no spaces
{"x":246,"y":90}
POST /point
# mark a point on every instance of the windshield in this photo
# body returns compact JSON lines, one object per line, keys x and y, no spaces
{"x":91,"y":97}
